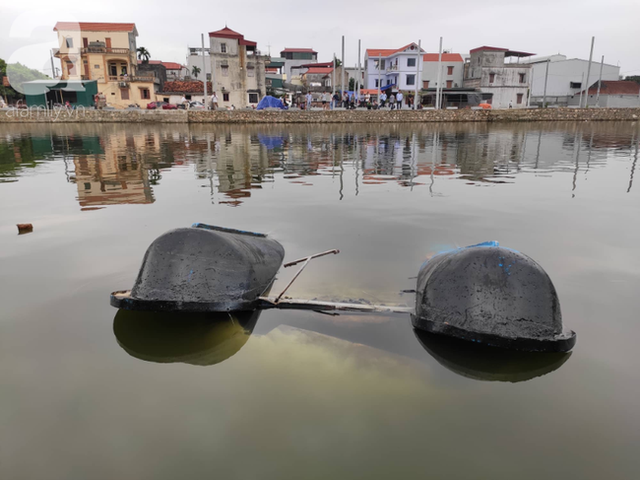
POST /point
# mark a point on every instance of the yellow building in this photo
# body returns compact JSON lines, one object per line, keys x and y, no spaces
{"x":105,"y":52}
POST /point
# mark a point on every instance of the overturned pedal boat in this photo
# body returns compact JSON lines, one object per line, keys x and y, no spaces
{"x":484,"y":293}
{"x":204,"y":269}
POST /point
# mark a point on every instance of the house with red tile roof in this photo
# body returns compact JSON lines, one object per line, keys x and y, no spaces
{"x":452,"y":70}
{"x":295,"y":57}
{"x":107,"y":53}
{"x":394,"y":69}
{"x":612,"y":94}
{"x":234,"y":65}
{"x":175,"y":71}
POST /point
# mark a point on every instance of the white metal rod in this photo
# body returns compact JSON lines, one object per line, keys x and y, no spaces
{"x":315,"y":255}
{"x":302,"y":304}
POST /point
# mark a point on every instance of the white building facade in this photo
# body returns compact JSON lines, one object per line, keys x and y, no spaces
{"x":566,"y":78}
{"x":452,"y":75}
{"x":508,"y":83}
{"x":296,"y":57}
{"x":398,"y":69}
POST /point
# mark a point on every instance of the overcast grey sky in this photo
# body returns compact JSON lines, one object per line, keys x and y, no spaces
{"x":166,"y":28}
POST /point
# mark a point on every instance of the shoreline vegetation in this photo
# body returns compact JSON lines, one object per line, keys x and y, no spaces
{"x":82,"y":115}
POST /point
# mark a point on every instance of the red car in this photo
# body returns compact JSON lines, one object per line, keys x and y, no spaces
{"x":162,"y":105}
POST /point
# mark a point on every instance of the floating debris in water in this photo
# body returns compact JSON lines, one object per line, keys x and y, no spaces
{"x":24,"y":228}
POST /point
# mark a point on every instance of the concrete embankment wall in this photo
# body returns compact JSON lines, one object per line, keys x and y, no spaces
{"x":298,"y":116}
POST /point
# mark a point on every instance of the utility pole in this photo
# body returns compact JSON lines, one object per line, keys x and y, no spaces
{"x":586,"y":91}
{"x":53,"y":68}
{"x":342,"y":67}
{"x":438,"y":87}
{"x":418,"y":79}
{"x":530,"y":89}
{"x":379,"y":66}
{"x":359,"y":75}
{"x":204,"y":71}
{"x":599,"y":82}
{"x":581,"y":89}
{"x":546,"y":77}
{"x":333,"y":77}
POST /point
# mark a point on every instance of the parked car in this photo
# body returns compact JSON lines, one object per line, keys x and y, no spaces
{"x":197,"y":106}
{"x":160,"y":105}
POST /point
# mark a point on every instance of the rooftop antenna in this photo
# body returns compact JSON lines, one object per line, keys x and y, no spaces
{"x":269,"y":47}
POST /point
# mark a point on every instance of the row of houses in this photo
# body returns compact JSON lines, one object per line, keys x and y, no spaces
{"x":231,"y":65}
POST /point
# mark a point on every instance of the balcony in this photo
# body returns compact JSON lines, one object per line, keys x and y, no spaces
{"x":127,"y":79}
{"x":105,"y":50}
{"x":392,"y":68}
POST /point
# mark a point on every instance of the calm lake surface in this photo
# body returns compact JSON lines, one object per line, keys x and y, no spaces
{"x":90,"y":393}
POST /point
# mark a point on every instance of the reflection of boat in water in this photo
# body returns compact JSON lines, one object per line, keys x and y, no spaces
{"x":171,"y":337}
{"x":482,"y":362}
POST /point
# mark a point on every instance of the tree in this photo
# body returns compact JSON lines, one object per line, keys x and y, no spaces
{"x":633,"y":78}
{"x":352,"y":84}
{"x":17,"y":75}
{"x":337,"y":61}
{"x":143,"y":54}
{"x":195,"y":71}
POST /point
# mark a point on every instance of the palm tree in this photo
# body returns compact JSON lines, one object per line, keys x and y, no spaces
{"x":143,"y":54}
{"x":195,"y":71}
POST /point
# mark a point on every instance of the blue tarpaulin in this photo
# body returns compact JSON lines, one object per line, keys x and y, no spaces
{"x":270,"y":102}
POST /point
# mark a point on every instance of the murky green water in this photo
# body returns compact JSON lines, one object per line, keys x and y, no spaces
{"x":88,"y":394}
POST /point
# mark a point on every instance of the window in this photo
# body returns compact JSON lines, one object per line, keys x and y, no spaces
{"x":96,"y":66}
{"x":449,"y":70}
{"x":522,"y":77}
{"x":87,"y":186}
{"x":449,"y":83}
{"x":411,"y":79}
{"x":251,"y":71}
{"x":188,"y":97}
{"x":223,"y":47}
{"x":380,"y":64}
{"x":519,"y":99}
{"x":575,"y":84}
{"x":165,"y":99}
{"x":492,"y":77}
{"x":124,"y":93}
{"x":225,"y":97}
{"x":253,"y":98}
{"x":145,"y":94}
{"x":225,"y":70}
{"x":208,"y":77}
{"x":377,"y":84}
{"x":425,"y":84}
{"x":411,"y":62}
{"x":69,"y":42}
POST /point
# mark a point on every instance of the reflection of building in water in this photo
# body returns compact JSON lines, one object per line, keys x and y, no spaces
{"x":120,"y":175}
{"x":482,"y":157}
{"x":111,"y":181}
{"x":238,"y":162}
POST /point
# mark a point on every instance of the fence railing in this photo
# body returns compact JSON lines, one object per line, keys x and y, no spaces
{"x":119,"y":51}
